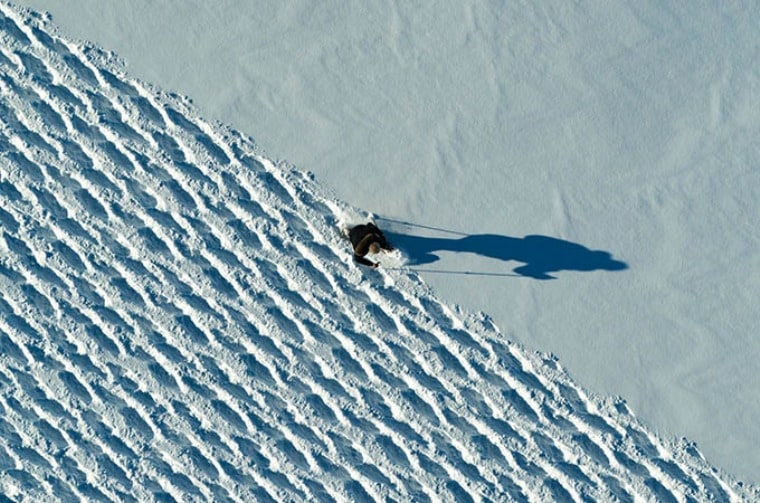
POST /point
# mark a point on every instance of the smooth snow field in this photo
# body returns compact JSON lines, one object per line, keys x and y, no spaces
{"x":180,"y":318}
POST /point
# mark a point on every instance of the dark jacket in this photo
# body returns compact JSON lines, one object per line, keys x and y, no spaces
{"x":364,"y":235}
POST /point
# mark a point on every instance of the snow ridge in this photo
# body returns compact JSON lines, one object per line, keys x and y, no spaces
{"x":180,"y":320}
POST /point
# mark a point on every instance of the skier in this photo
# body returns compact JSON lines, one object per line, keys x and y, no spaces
{"x":367,"y":238}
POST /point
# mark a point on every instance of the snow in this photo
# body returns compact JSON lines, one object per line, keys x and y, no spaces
{"x":171,"y":294}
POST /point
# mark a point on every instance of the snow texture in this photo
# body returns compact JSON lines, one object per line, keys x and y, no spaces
{"x":180,"y":319}
{"x":621,"y":127}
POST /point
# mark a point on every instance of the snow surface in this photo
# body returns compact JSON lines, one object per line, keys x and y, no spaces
{"x":628,"y":128}
{"x":179,"y":316}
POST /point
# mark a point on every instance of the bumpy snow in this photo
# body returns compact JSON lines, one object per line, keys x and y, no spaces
{"x":180,"y":319}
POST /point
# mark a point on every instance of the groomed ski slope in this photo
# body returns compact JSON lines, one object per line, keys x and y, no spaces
{"x":181,"y":320}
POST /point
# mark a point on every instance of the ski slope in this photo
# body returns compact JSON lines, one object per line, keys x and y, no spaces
{"x":181,"y":320}
{"x":623,"y":127}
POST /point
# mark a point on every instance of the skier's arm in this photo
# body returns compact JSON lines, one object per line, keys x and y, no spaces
{"x":364,"y":261}
{"x":361,"y":249}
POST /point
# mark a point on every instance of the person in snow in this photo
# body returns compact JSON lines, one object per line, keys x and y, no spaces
{"x":367,"y":238}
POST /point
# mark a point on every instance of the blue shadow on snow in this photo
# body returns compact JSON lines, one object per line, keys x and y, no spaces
{"x":540,"y":255}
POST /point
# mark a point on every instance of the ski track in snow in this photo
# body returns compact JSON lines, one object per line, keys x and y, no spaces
{"x":181,"y":320}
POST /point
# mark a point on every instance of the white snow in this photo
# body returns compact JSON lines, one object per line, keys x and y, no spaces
{"x":180,"y":315}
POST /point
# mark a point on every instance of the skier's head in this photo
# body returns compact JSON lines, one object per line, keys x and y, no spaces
{"x":374,"y":247}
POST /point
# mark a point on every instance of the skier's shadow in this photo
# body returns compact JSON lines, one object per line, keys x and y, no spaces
{"x":540,"y":255}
